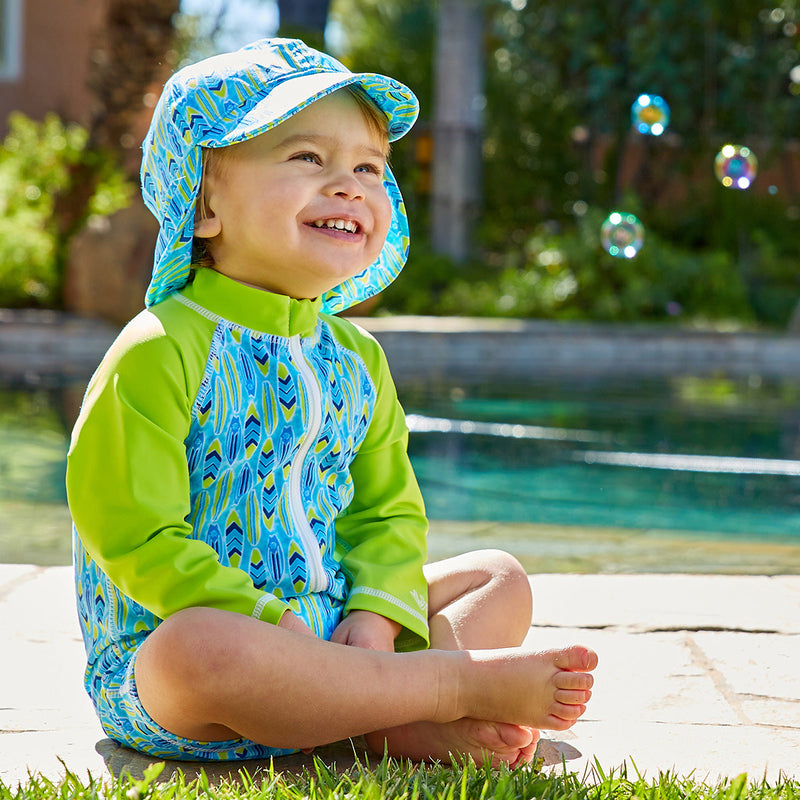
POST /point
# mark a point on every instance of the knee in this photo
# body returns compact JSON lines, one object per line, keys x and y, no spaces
{"x":187,"y":649}
{"x":510,"y":577}
{"x":501,"y":564}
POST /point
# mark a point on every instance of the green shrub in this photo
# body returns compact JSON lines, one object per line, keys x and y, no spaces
{"x":40,"y":163}
{"x":566,"y":274}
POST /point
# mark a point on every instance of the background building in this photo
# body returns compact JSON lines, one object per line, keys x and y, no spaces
{"x":45,"y":56}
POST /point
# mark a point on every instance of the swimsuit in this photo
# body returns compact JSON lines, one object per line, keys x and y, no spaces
{"x":245,"y":451}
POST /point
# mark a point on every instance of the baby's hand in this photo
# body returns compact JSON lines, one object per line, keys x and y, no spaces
{"x":368,"y":630}
{"x":291,"y":622}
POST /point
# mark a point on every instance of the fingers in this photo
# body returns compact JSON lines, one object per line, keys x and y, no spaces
{"x":350,"y":636}
{"x":526,"y":754}
{"x":340,"y":635}
{"x":291,"y":622}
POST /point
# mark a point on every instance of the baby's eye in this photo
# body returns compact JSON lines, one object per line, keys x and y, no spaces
{"x":312,"y":158}
{"x":372,"y":169}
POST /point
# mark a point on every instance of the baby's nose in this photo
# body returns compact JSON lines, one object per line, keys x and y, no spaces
{"x":346,"y":185}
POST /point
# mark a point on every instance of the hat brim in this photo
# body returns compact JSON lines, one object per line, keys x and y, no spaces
{"x":292,"y":95}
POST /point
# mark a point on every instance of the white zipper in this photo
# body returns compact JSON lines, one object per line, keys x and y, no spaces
{"x":317,"y":578}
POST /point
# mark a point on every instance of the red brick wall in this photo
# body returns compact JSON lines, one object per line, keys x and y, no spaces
{"x":56,"y":48}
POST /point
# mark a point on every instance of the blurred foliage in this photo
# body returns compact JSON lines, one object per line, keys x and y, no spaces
{"x":559,"y":154}
{"x":38,"y":161}
{"x":567,"y":275}
{"x":558,"y":150}
{"x":396,"y":38}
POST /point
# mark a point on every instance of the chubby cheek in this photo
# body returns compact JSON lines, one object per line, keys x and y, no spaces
{"x":382,"y":214}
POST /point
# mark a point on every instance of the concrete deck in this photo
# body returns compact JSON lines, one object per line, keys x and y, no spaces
{"x":698,"y":674}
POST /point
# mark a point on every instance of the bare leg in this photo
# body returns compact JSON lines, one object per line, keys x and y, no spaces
{"x":211,"y":675}
{"x":477,"y":601}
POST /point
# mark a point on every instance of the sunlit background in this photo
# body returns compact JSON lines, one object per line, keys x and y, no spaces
{"x":609,"y":165}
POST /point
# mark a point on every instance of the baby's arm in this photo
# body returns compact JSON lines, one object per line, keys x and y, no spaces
{"x":382,"y":541}
{"x":381,"y":535}
{"x":129,"y":488}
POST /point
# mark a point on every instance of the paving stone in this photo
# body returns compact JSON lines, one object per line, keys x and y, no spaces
{"x":774,"y":712}
{"x":669,"y":602}
{"x":50,"y":754}
{"x":644,"y":677}
{"x":758,"y":673}
{"x":709,"y":753}
{"x":10,"y":576}
{"x":696,"y":701}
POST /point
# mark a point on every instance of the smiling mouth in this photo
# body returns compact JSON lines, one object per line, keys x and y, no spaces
{"x":349,"y":225}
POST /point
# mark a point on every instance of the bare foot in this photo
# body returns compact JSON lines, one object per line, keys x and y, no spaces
{"x":526,"y":690}
{"x":548,"y":689}
{"x":500,"y":742}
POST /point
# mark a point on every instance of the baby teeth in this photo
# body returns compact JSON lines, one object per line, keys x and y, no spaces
{"x":339,"y":224}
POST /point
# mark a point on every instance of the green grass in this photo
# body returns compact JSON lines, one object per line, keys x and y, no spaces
{"x":403,"y":781}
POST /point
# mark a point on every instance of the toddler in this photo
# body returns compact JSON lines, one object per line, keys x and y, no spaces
{"x":249,"y":538}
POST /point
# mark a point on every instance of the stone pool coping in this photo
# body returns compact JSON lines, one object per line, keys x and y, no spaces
{"x":698,"y":676}
{"x":45,"y":343}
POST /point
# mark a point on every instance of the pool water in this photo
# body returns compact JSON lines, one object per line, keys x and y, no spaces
{"x":34,"y":520}
{"x":713,"y":458}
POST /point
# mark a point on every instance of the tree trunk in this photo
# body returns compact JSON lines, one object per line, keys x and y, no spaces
{"x":304,"y":19}
{"x":106,"y":269}
{"x":457,"y":126}
{"x":129,"y":60}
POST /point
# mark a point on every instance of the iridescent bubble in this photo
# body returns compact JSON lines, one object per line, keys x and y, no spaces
{"x":736,"y":166}
{"x":622,"y":234}
{"x":650,"y":114}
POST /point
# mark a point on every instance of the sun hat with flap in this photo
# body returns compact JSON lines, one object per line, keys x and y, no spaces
{"x":235,"y":96}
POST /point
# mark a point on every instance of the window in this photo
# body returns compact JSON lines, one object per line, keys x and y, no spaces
{"x":10,"y":39}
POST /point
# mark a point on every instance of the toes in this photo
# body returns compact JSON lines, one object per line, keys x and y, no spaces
{"x":502,"y":742}
{"x":572,"y":697}
{"x":564,"y":716}
{"x":515,"y":736}
{"x":576,"y":659}
{"x":573,"y":680}
{"x":559,"y":724}
{"x":527,"y":754}
{"x":535,"y":735}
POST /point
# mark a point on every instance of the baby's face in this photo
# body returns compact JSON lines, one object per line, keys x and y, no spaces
{"x":302,"y":207}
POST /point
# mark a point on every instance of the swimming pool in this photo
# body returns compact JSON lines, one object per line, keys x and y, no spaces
{"x":712,"y":459}
{"x":715,"y":456}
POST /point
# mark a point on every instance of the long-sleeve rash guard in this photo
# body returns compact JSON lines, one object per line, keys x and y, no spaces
{"x":237,"y":449}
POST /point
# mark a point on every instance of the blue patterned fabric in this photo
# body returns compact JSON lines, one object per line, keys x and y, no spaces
{"x":111,"y":684}
{"x":276,"y":420}
{"x":249,"y":419}
{"x":233,"y":97}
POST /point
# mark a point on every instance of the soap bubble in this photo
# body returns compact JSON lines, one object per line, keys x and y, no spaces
{"x":650,"y":114}
{"x":736,"y":166}
{"x":622,"y":234}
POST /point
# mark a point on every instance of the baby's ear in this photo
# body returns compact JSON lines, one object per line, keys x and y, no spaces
{"x":207,"y":225}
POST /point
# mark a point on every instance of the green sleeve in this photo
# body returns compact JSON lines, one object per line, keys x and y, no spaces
{"x":128,"y":479}
{"x":382,"y":534}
